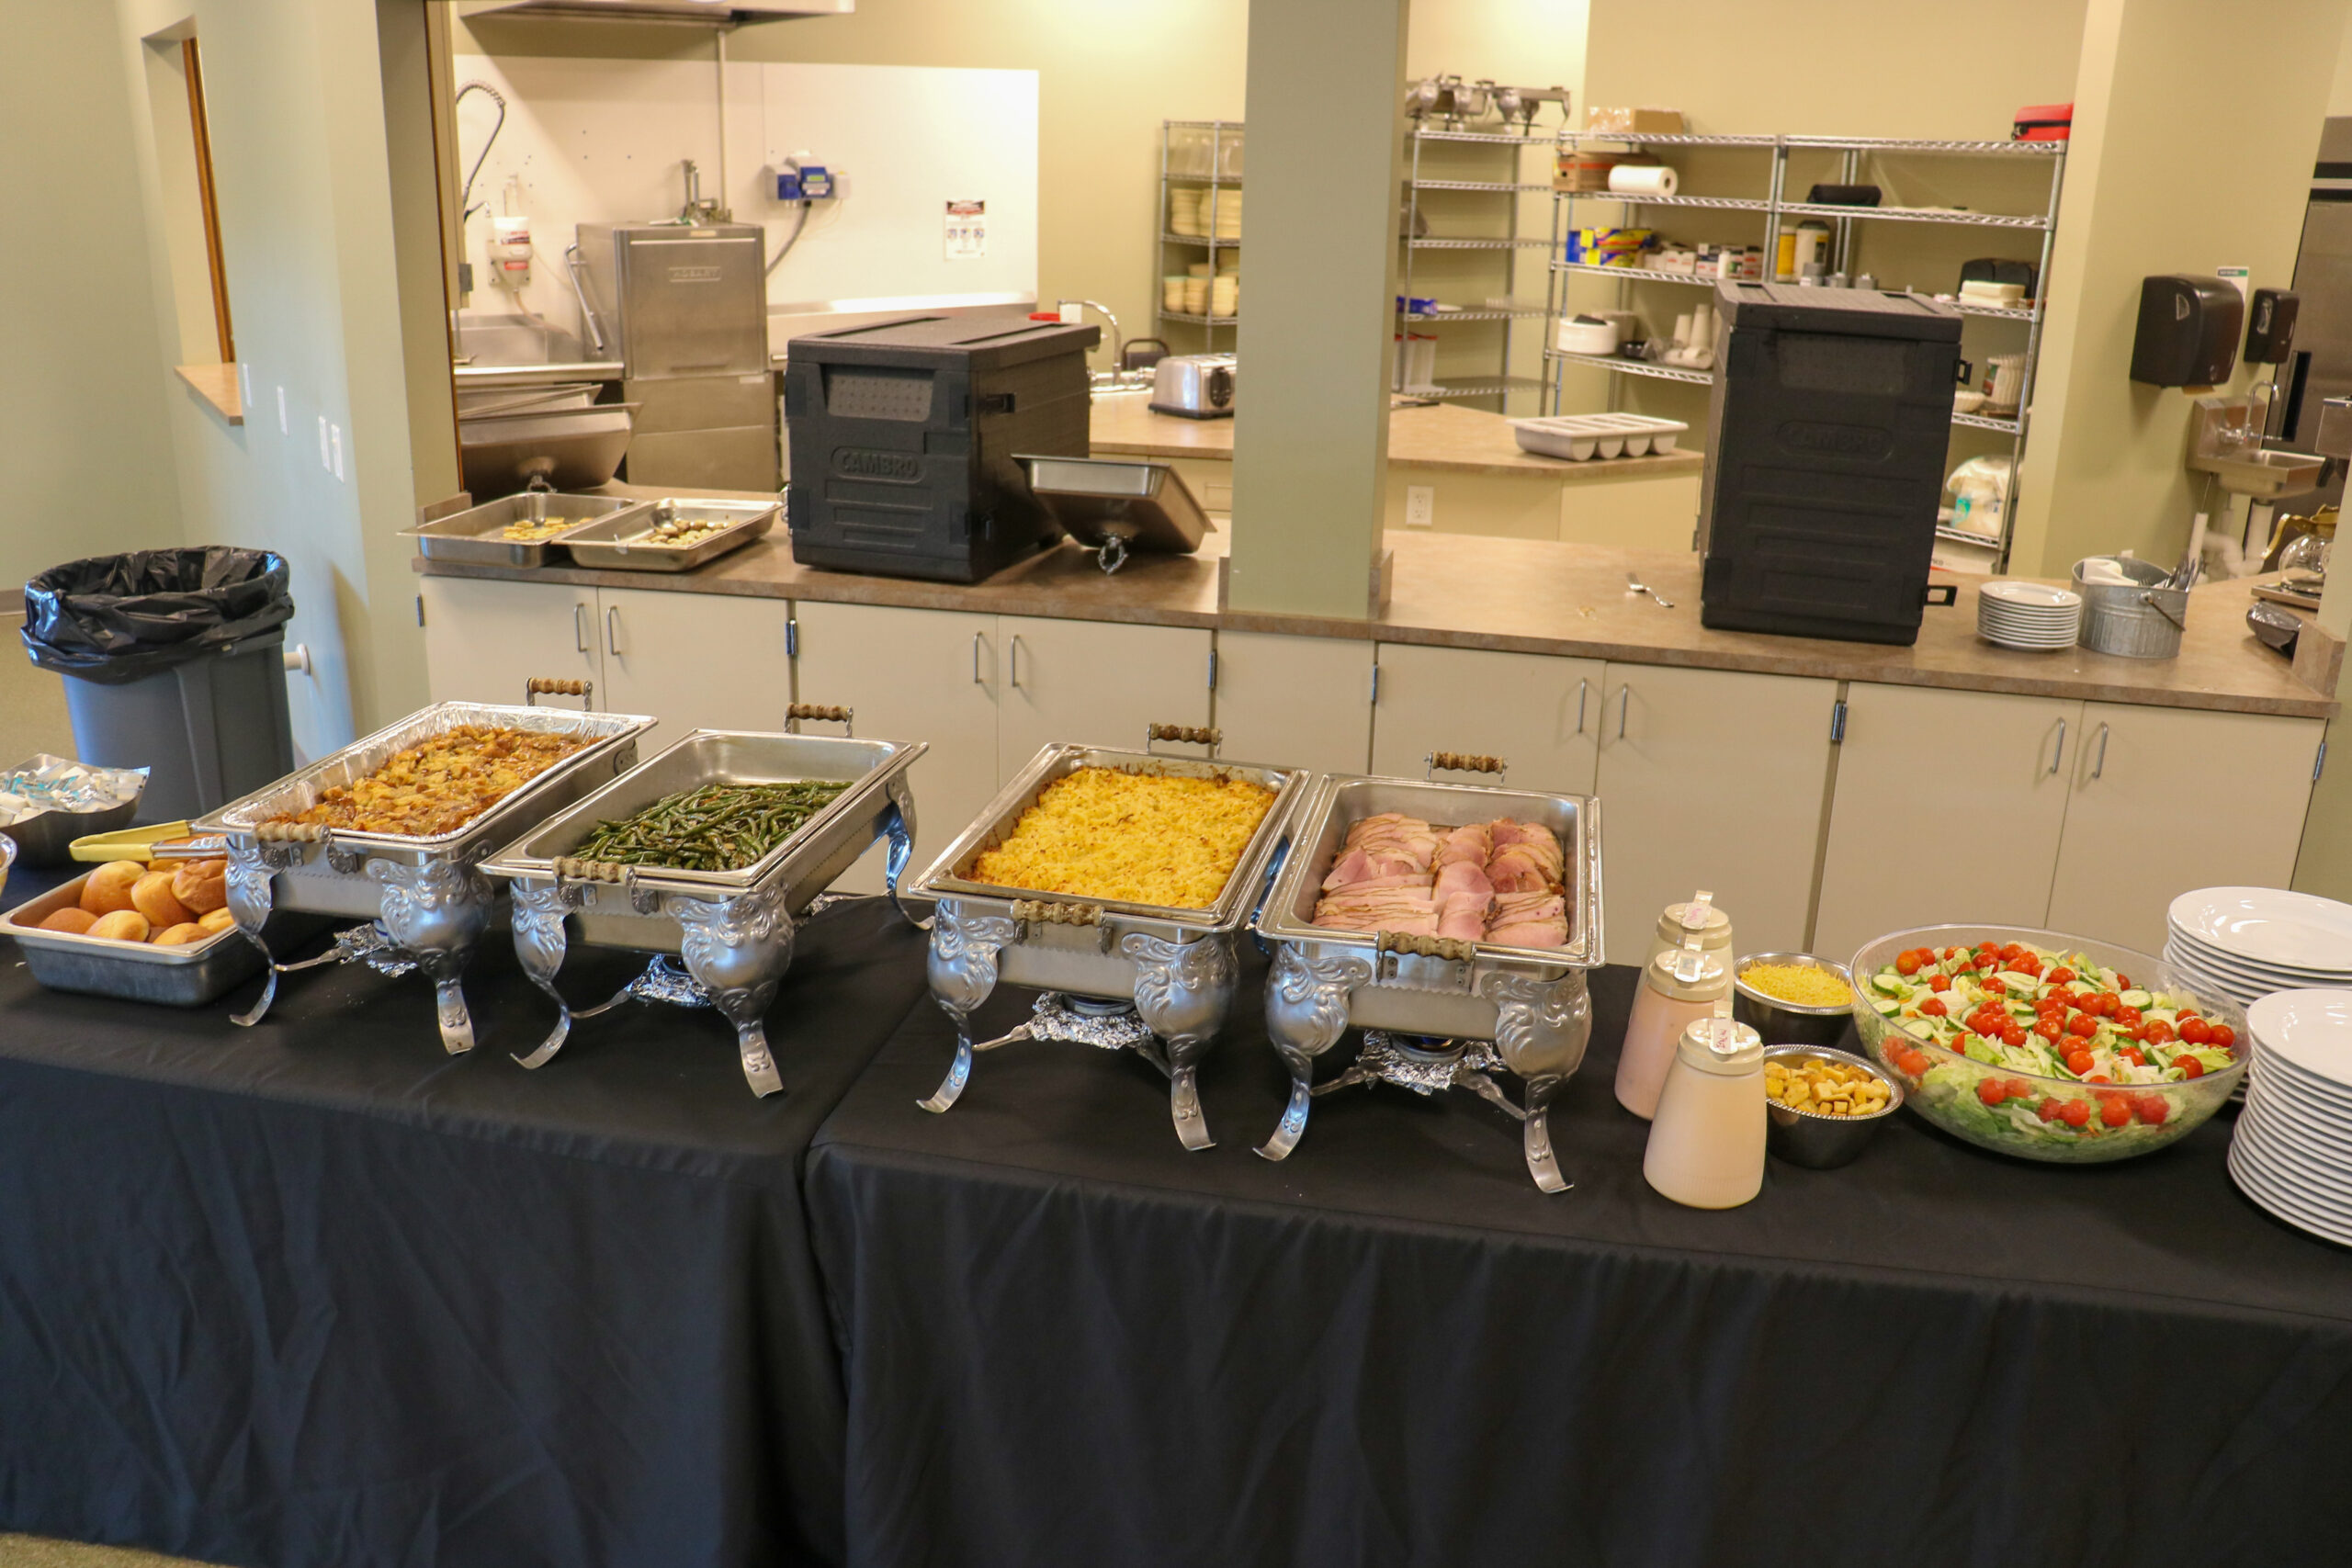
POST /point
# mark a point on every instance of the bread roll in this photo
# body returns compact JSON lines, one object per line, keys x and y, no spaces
{"x":151,"y":896}
{"x":107,"y":888}
{"x":216,"y":920}
{"x":180,"y":935}
{"x":73,"y":920}
{"x":202,"y":885}
{"x":122,"y":925}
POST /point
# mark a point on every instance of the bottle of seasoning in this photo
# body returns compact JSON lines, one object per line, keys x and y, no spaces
{"x":1686,"y":977}
{"x":1813,"y":248}
{"x":1784,"y":261}
{"x":1706,"y":1147}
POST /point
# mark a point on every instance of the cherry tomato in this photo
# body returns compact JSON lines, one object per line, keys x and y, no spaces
{"x":2020,"y":1089}
{"x":2122,"y":981}
{"x":2134,"y":1056}
{"x":2047,"y":1110}
{"x":1940,"y":982}
{"x":1934,"y":1007}
{"x":2110,"y":1004}
{"x":2098,"y":1077}
{"x":1912,"y":1061}
{"x":2074,"y":1112}
{"x":1907,"y":963}
{"x":2029,"y":964}
{"x":2083,"y":1026}
{"x":1960,"y":1045}
{"x":2190,"y":1068}
{"x":2011,"y":1034}
{"x":2195,"y":1031}
{"x":1996,"y":988}
{"x":1992,"y":1091}
{"x":1988,"y":961}
{"x":1952,"y":953}
{"x":2079,"y":1063}
{"x":2012,"y":952}
{"x":2050,"y":1029}
{"x":2155,"y":1031}
{"x":2115,"y":1114}
{"x":2059,"y":975}
{"x":2153,"y":1109}
{"x":2128,"y":1017}
{"x":2221,"y":1037}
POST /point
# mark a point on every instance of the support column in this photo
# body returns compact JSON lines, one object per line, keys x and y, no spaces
{"x":1325,"y":117}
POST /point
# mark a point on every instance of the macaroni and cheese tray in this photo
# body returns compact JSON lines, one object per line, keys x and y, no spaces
{"x":610,"y":870}
{"x":1118,"y":969}
{"x":325,"y":839}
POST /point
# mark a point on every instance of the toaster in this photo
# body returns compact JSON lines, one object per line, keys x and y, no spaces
{"x":1193,"y":386}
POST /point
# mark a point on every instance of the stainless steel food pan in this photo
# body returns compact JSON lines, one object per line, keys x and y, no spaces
{"x":625,"y":543}
{"x":140,"y":971}
{"x":473,"y":534}
{"x":561,"y":448}
{"x":734,"y":928}
{"x":1176,"y":968}
{"x":428,"y":893}
{"x":1114,"y":505}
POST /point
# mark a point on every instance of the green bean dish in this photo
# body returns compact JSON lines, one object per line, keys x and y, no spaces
{"x":715,"y":826}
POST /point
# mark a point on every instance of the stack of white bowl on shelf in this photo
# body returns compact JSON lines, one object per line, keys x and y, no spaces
{"x":2028,"y":615}
{"x":2292,"y":1153}
{"x":2247,"y":942}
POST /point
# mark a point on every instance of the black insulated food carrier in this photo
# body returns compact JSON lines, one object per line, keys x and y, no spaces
{"x":903,"y":434}
{"x":1827,"y":435}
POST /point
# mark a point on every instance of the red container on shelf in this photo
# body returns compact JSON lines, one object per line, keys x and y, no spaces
{"x":2043,"y":122}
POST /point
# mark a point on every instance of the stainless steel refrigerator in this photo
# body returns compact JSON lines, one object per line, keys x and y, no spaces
{"x":684,"y":310}
{"x":2321,"y":365}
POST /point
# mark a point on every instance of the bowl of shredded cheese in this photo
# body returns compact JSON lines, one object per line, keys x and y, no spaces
{"x":1792,"y":998}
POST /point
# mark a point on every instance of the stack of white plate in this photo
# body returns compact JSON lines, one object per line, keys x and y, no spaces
{"x":2029,"y":614}
{"x":2293,"y":1150}
{"x":2247,"y":942}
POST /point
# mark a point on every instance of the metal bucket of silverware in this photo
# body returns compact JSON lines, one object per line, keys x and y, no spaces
{"x":2141,"y":617}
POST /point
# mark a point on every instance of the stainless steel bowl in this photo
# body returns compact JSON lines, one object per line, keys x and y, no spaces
{"x":1789,"y":1023}
{"x":1818,"y":1142}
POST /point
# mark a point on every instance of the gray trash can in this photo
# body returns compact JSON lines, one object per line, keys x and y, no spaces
{"x":174,"y":661}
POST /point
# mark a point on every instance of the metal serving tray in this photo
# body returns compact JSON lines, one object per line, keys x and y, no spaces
{"x":1176,"y":968}
{"x":427,"y":893}
{"x":472,"y":534}
{"x":1114,"y":504}
{"x":620,"y":542}
{"x":734,"y":928}
{"x":175,"y":976}
{"x":1531,"y":1003}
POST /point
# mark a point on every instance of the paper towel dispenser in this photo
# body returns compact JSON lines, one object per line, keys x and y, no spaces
{"x":2189,"y":330}
{"x":2270,"y":333}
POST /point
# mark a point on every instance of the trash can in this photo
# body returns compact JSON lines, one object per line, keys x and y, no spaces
{"x":174,"y":661}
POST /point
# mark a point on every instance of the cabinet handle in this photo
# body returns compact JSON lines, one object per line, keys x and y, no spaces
{"x":1016,"y":662}
{"x":2098,"y":769}
{"x":976,"y":659}
{"x":1625,"y":701}
{"x":2058,"y":754}
{"x":580,"y":628}
{"x":1584,"y":689}
{"x":613,"y":630}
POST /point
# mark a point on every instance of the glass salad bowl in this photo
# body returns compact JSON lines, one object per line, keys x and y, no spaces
{"x":2040,"y":1115}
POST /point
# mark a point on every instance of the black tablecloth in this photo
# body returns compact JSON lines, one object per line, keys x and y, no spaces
{"x":1068,"y":1341}
{"x":316,"y":1293}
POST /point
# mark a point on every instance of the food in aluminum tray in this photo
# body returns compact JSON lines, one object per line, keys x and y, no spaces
{"x":671,"y":536}
{"x":513,"y":530}
{"x":733,"y":928}
{"x":188,"y":974}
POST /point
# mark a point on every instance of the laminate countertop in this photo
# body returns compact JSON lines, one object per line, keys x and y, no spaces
{"x":1532,"y":596}
{"x":1445,"y":437}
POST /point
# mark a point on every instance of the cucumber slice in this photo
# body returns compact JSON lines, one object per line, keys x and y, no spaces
{"x":2028,"y":983}
{"x":1888,"y":985}
{"x":2137,"y":999}
{"x":1886,"y":1008}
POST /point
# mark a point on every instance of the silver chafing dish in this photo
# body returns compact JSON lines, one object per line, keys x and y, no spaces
{"x":1437,"y":1012}
{"x":734,"y":930}
{"x":426,"y":898}
{"x":1155,"y":980}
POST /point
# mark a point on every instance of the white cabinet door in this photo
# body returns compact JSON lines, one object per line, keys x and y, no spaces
{"x":695,"y":660}
{"x":1949,"y":809}
{"x":1095,"y":683}
{"x":483,"y":639}
{"x":1710,"y":779}
{"x":1540,"y":714}
{"x":2168,"y":799}
{"x":1301,"y":701}
{"x":926,"y":675}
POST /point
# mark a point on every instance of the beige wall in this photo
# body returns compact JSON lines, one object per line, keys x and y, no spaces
{"x":84,"y":432}
{"x":2105,"y":470}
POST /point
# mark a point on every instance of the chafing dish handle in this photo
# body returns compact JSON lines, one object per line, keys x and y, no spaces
{"x":820,"y":712}
{"x":1463,"y":763}
{"x":538,"y":685}
{"x":1183,"y":735}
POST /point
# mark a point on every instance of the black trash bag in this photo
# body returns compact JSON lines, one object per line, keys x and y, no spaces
{"x":120,"y":618}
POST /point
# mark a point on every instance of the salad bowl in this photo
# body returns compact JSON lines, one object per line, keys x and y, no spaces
{"x":2021,"y":1098}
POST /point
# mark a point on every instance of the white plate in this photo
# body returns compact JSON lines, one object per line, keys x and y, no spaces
{"x":1991,"y":610}
{"x":2313,"y":1097}
{"x":2032,"y":596}
{"x":2318,"y":1190}
{"x":2237,"y":963}
{"x":2027,"y":628}
{"x":2310,"y":1028}
{"x":2325,"y":1167}
{"x":2260,"y":982}
{"x":2256,"y":1183}
{"x":2304,"y":1113}
{"x":2269,"y":926}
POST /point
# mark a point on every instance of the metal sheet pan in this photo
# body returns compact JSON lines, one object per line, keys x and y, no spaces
{"x":472,"y":534}
{"x":190,"y":975}
{"x":1141,"y":505}
{"x":620,"y":544}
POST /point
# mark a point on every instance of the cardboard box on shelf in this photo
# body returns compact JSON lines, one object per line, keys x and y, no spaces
{"x":1644,"y":121}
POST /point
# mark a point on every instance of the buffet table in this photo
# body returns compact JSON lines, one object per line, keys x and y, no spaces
{"x":316,"y":1293}
{"x":1067,"y":1341}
